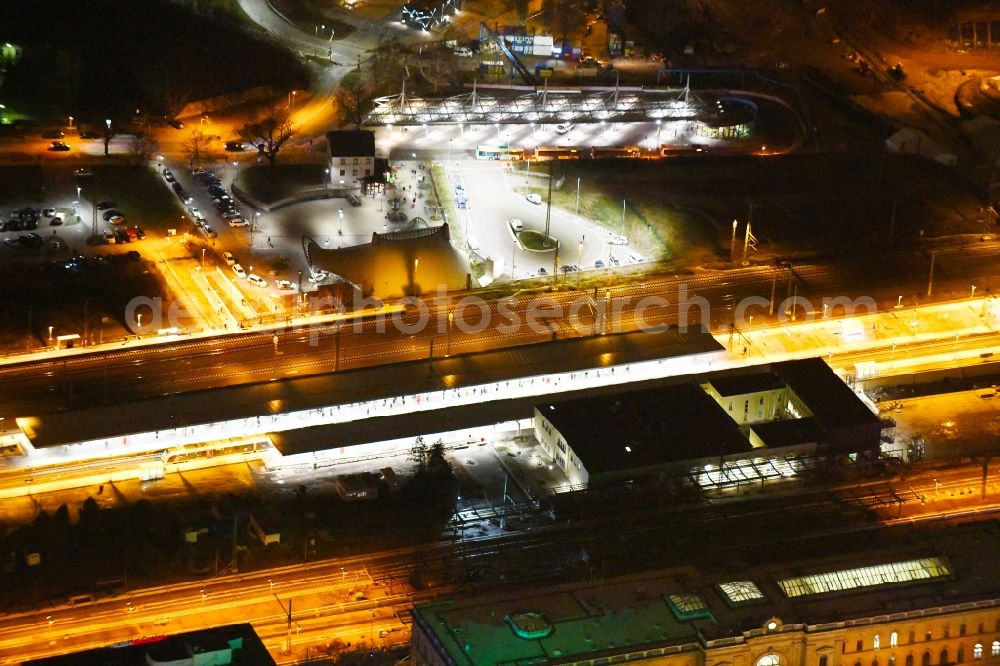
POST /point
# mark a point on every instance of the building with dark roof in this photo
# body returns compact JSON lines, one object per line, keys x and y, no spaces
{"x":787,"y":410}
{"x":402,"y":263}
{"x":352,"y":156}
{"x":636,"y":432}
{"x":932,"y":601}
{"x":236,"y":644}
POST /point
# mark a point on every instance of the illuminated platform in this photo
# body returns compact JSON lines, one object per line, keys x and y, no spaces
{"x":346,"y":397}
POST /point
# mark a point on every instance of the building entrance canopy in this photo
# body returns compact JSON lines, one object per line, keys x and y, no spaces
{"x":542,"y":106}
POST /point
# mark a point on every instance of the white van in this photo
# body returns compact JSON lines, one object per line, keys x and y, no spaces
{"x":238,"y":270}
{"x":516,"y":226}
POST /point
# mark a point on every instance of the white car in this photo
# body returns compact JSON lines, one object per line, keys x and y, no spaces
{"x":534,"y":198}
{"x":237,"y":222}
{"x":257,"y":280}
{"x":229,"y":258}
{"x":286,"y":285}
{"x":563,"y":128}
{"x":318,"y":276}
{"x":636,"y":258}
{"x":516,"y":225}
{"x":463,"y":52}
{"x":238,"y":270}
{"x":617,"y":240}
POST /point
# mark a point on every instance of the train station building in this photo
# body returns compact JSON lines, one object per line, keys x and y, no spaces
{"x":928,"y":602}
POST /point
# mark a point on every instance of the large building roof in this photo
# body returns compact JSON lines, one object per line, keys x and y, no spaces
{"x":832,"y":402}
{"x":660,"y":612}
{"x":351,"y":143}
{"x":388,"y":381}
{"x":754,"y":382}
{"x":637,"y":429}
{"x":422,"y":261}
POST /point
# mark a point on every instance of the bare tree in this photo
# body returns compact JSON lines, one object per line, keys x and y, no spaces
{"x":269,"y":134}
{"x":141,"y":149}
{"x":351,"y":97}
{"x":196,"y":145}
{"x":521,"y":8}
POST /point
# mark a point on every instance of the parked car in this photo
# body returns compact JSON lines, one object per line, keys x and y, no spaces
{"x":176,"y":124}
{"x":239,"y":272}
{"x":168,"y":176}
{"x":209,"y":231}
{"x":516,"y":225}
{"x":461,"y":202}
{"x":256,"y":280}
{"x":185,"y":197}
{"x":599,"y":263}
{"x":139,"y":232}
{"x":235,"y":146}
{"x":534,"y":198}
{"x":229,"y":258}
{"x":121,"y":236}
{"x":81,"y":173}
{"x":55,"y":222}
{"x":564,"y":128}
{"x":33,"y":241}
{"x":132,"y":235}
{"x":89,"y":135}
{"x":59,"y":147}
{"x":237,"y":222}
{"x":286,"y":285}
{"x":109,"y":237}
{"x":105,"y":205}
{"x":53,"y":134}
{"x":354,"y":200}
{"x":48,"y":212}
{"x":108,"y":214}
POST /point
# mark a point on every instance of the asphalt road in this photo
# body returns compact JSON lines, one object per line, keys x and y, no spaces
{"x":133,"y":373}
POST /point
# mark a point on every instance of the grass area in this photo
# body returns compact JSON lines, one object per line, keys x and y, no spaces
{"x":445,"y":199}
{"x":20,"y":183}
{"x":683,"y":208}
{"x":87,"y":297}
{"x":536,"y":240}
{"x":139,"y":192}
{"x":65,"y":68}
{"x":270,"y":184}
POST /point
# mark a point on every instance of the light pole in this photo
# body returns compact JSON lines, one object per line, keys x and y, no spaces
{"x":71,"y":122}
{"x":2,"y":107}
{"x":451,"y":320}
{"x":340,"y":231}
{"x":973,"y":294}
{"x":416,"y":265}
{"x":50,"y":334}
{"x":202,"y":258}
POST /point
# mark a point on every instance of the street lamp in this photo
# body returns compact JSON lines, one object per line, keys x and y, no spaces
{"x":2,"y":107}
{"x":50,"y":334}
{"x":451,"y":320}
{"x":340,"y":231}
{"x":71,"y":122}
{"x":973,"y":294}
{"x":202,"y":258}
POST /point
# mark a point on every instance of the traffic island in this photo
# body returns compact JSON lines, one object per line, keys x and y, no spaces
{"x":535,"y":241}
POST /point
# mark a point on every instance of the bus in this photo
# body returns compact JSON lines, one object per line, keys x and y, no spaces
{"x":556,"y":153}
{"x":620,"y":152}
{"x":511,"y":153}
